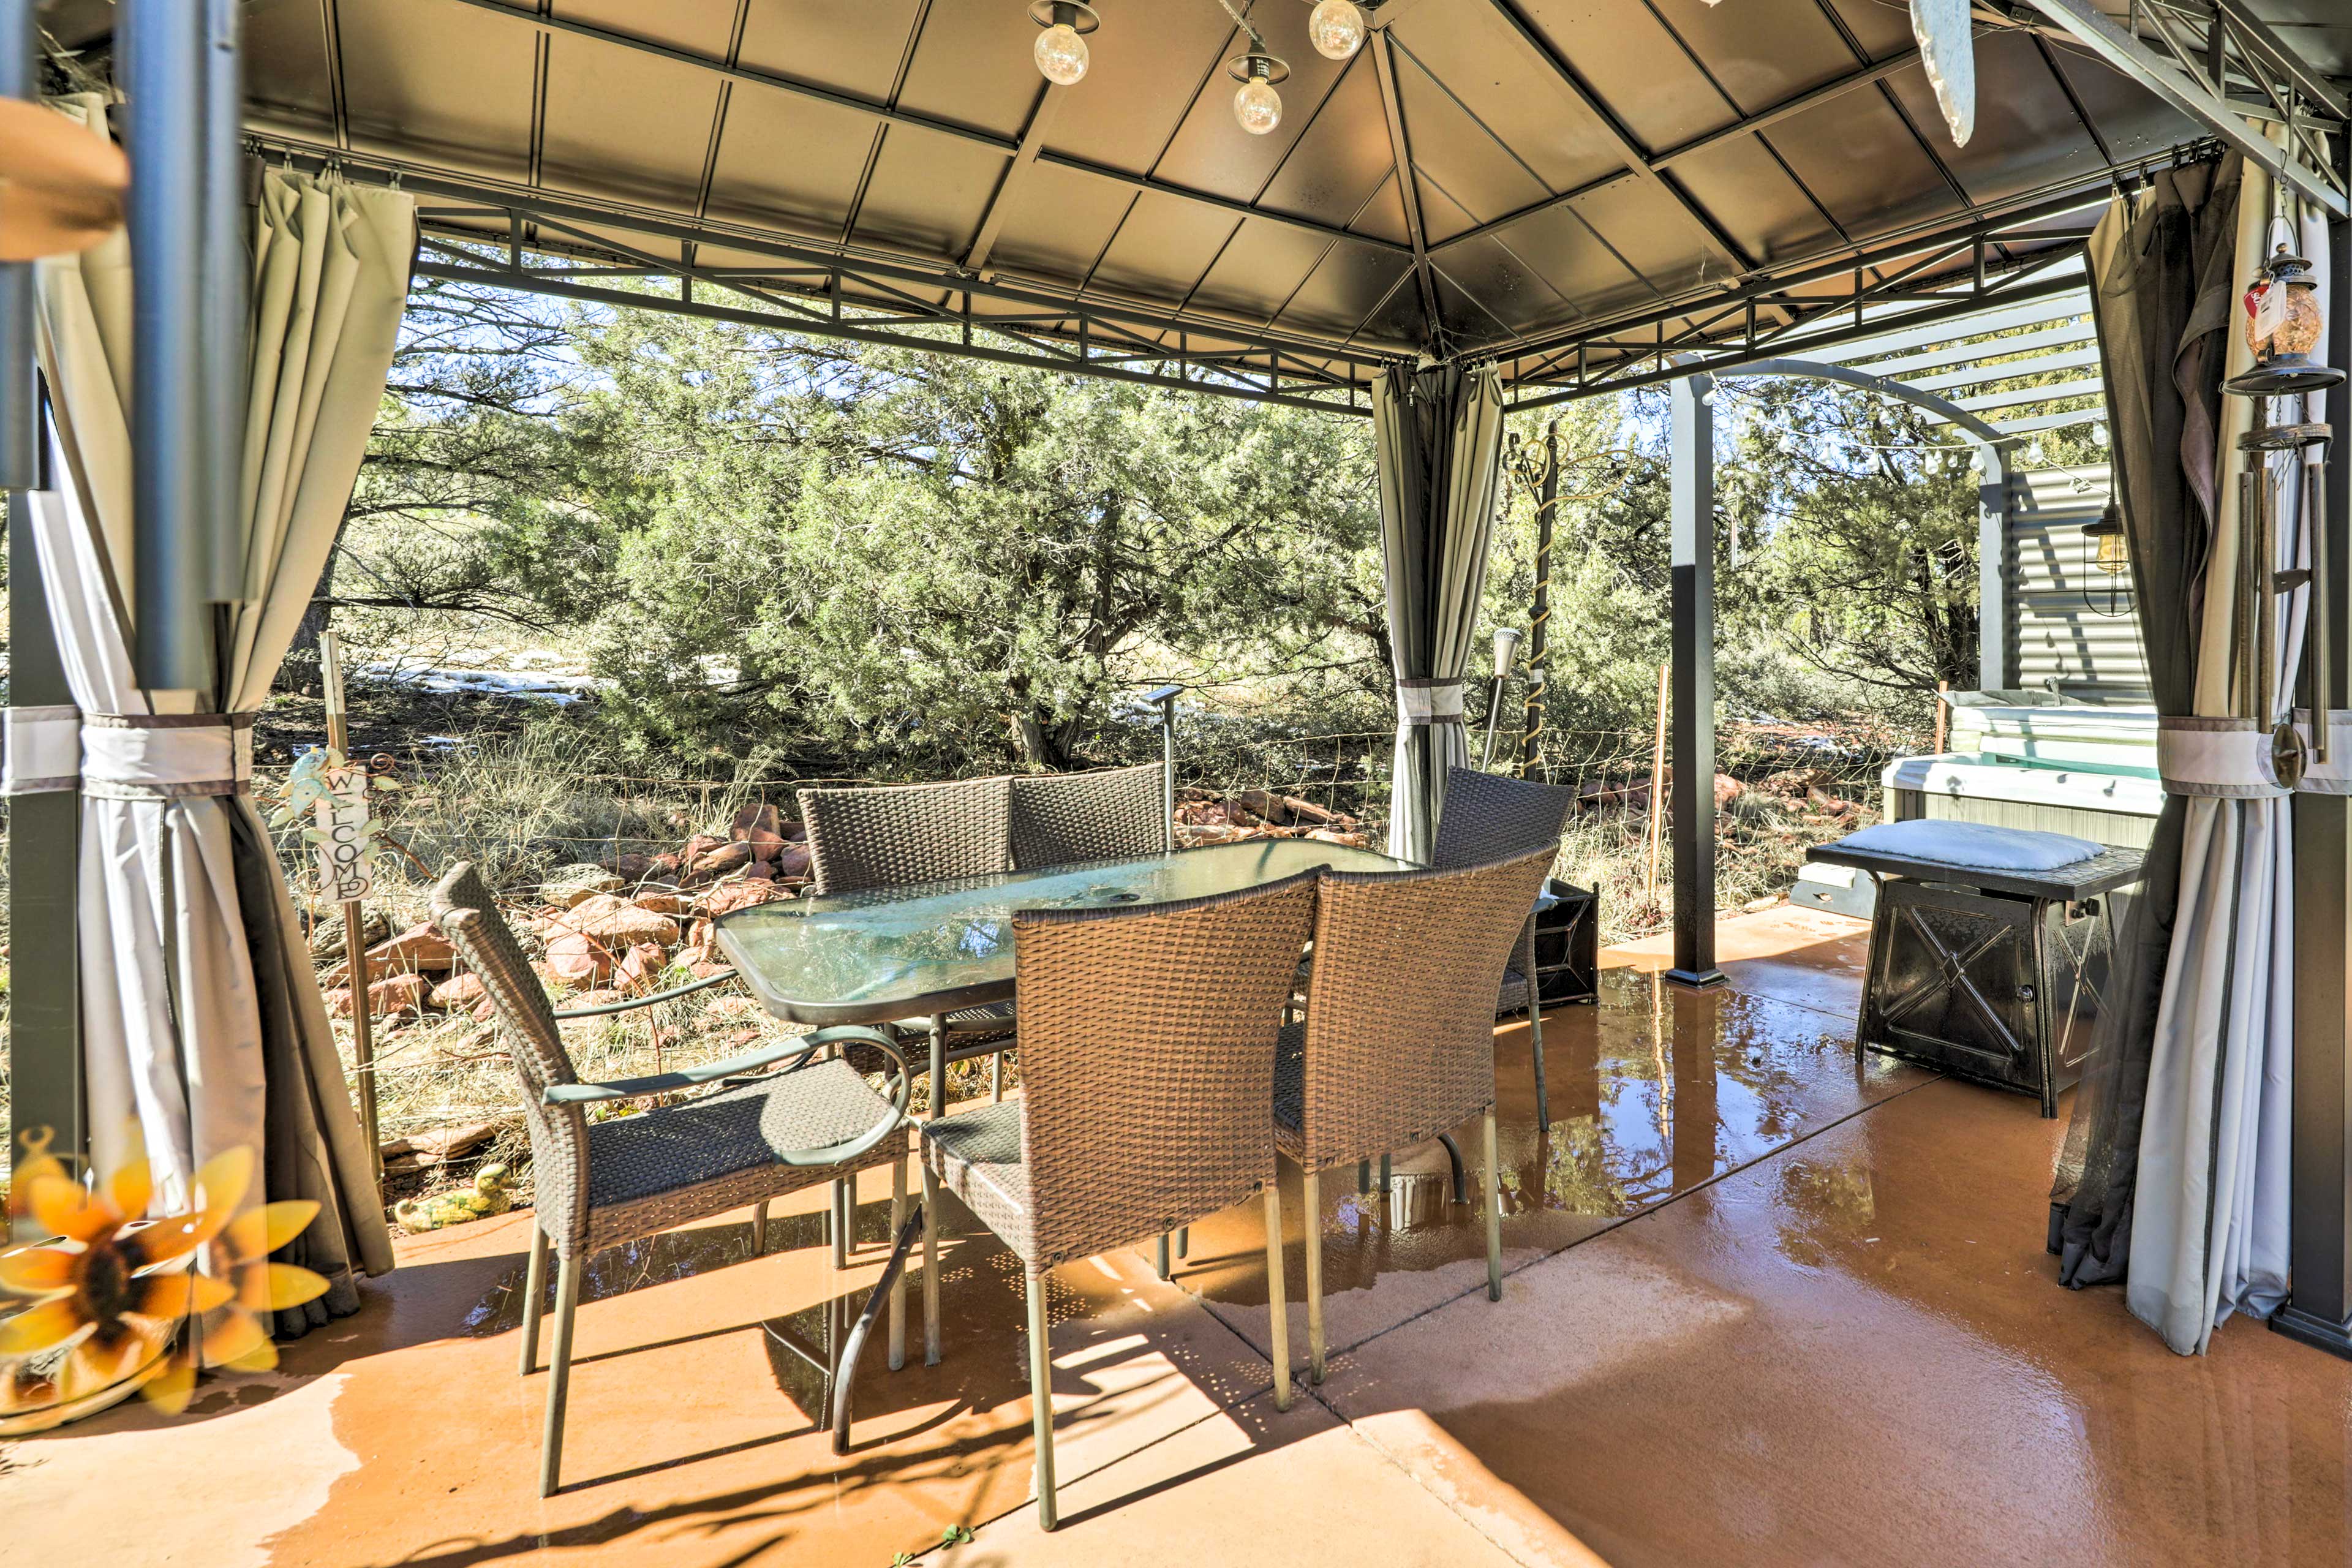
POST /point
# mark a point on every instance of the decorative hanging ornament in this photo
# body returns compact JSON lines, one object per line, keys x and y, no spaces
{"x":1255,"y":103}
{"x":1335,"y":27}
{"x":1061,"y":50}
{"x":1948,"y":53}
{"x":2284,"y":324}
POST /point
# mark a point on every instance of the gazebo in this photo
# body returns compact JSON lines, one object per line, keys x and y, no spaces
{"x":1444,"y":212}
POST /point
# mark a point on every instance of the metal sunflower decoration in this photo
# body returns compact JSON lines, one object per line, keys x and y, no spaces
{"x":117,"y":1303}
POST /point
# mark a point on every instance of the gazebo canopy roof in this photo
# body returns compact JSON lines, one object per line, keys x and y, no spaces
{"x":1578,"y":189}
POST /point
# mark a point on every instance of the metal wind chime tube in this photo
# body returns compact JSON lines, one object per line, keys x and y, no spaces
{"x":1539,"y":612}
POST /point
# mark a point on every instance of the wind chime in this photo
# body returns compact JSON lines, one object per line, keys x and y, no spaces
{"x":2284,"y":324}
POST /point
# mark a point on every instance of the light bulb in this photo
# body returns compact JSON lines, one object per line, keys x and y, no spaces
{"x":1337,"y":28}
{"x":1061,"y":54}
{"x":1257,"y":106}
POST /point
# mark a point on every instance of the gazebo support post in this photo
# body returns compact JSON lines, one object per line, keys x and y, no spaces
{"x":2319,"y":1214}
{"x":1993,"y":563}
{"x":1694,"y":683}
{"x":44,"y":1035}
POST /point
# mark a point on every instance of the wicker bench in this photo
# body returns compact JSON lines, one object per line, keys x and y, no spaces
{"x":1990,"y":972}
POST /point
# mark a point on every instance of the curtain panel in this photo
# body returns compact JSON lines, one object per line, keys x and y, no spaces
{"x":202,"y":1023}
{"x":1437,"y":434}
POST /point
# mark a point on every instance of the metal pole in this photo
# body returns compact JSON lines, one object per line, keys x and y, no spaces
{"x":44,"y":1042}
{"x":1164,"y":698}
{"x":181,"y":433}
{"x":1507,"y":647}
{"x":355,"y":962}
{"x":1693,"y":682}
{"x":1539,"y":612}
{"x":2319,"y":1214}
{"x":1992,"y":567}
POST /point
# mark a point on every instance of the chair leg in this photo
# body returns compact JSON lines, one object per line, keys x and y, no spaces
{"x":938,"y":1101}
{"x":1363,"y":1177}
{"x":1041,"y":1397}
{"x":1183,"y":1242}
{"x":558,"y":1376}
{"x":1162,"y":1263}
{"x":1494,"y":1215}
{"x":1385,"y":1182}
{"x":897,"y":1286}
{"x":996,"y":1079}
{"x":845,"y":1212}
{"x":534,"y":1297}
{"x":1312,"y":1198}
{"x":1534,"y":1025}
{"x":760,"y":1228}
{"x":1278,"y":1308}
{"x":930,"y":1264}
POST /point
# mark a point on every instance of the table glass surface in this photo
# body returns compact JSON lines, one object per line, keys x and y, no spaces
{"x":823,"y":958}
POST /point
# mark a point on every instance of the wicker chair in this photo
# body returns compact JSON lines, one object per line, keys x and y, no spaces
{"x":1488,"y":817}
{"x":1062,"y":819}
{"x":750,"y":1141}
{"x":898,"y":836}
{"x":1148,"y":1035}
{"x":1398,"y":1043}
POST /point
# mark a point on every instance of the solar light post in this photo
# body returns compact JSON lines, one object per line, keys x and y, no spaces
{"x":1164,"y":699}
{"x":1507,"y":653}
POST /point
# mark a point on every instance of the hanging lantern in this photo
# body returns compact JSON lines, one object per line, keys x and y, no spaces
{"x":1255,"y":104}
{"x":2284,"y":324}
{"x":1061,"y":50}
{"x":2112,"y":554}
{"x":1335,"y":27}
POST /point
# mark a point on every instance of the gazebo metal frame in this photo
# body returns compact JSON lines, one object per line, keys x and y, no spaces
{"x":1597,"y":243}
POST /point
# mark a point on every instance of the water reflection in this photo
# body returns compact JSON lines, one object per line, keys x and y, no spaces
{"x":1662,"y":1089}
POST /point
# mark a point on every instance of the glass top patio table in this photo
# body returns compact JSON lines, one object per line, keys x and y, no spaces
{"x":914,"y":951}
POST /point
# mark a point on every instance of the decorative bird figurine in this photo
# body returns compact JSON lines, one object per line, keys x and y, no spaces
{"x":487,"y":1196}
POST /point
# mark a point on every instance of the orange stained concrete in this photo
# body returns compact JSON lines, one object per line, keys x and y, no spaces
{"x":1767,"y":1306}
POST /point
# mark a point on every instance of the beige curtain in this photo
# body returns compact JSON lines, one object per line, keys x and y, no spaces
{"x":202,"y":1019}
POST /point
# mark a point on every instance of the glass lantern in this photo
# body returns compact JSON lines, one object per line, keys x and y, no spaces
{"x":2281,"y":328}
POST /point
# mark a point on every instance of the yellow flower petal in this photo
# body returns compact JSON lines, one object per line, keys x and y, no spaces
{"x":35,"y":1270}
{"x":62,"y":1208}
{"x":40,"y":1327}
{"x":222,"y":1181}
{"x":236,"y":1337}
{"x":98,"y":1364}
{"x":167,"y":1392}
{"x":291,"y":1286}
{"x":178,"y":1294}
{"x":259,"y":1232}
{"x":130,"y":1187}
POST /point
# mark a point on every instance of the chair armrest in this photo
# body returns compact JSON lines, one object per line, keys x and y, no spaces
{"x":564,"y":1015}
{"x":797,"y":1049}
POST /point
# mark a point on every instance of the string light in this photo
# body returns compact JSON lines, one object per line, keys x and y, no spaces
{"x":1335,"y":27}
{"x":1256,"y":105}
{"x":1061,"y":50}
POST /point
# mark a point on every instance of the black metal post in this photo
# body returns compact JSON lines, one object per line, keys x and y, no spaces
{"x":1693,"y":682}
{"x":182,"y":434}
{"x":44,"y":1035}
{"x":2319,"y":1215}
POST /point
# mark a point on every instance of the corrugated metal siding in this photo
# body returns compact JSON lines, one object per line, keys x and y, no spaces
{"x":2059,"y":630}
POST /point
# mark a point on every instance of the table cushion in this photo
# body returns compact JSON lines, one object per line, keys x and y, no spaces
{"x":1971,"y":844}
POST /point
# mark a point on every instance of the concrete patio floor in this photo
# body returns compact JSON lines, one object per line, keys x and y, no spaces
{"x":1765,"y":1306}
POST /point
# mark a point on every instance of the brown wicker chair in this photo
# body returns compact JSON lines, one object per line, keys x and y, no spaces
{"x":750,"y":1140}
{"x":1488,"y":817}
{"x":1117,"y":813}
{"x":1398,"y":1043}
{"x":897,"y":836}
{"x":1149,"y":1045}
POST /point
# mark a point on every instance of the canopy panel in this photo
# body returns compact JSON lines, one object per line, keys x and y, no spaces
{"x":1582,"y":190}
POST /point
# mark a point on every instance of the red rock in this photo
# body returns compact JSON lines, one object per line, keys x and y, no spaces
{"x":733,"y":896}
{"x":418,"y":948}
{"x":600,"y":997}
{"x":733,"y":1007}
{"x":757,"y":826}
{"x":638,"y":969}
{"x":579,"y":958}
{"x":759,"y":872}
{"x":718,"y":862}
{"x":1727,"y":790}
{"x":696,"y":848}
{"x":660,"y":901}
{"x":792,"y":861}
{"x":618,"y":924}
{"x":459,"y":991}
{"x":400,"y":993}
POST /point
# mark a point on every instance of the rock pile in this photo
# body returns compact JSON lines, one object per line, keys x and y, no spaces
{"x":1205,"y":816}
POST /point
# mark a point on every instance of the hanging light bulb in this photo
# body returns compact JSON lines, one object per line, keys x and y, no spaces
{"x":2113,"y":550}
{"x":1335,"y":27}
{"x":1060,"y":49}
{"x":1255,"y":103}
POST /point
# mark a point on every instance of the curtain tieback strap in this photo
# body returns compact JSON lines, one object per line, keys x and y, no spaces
{"x":1429,"y":702}
{"x":129,"y":756}
{"x":2229,"y":759}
